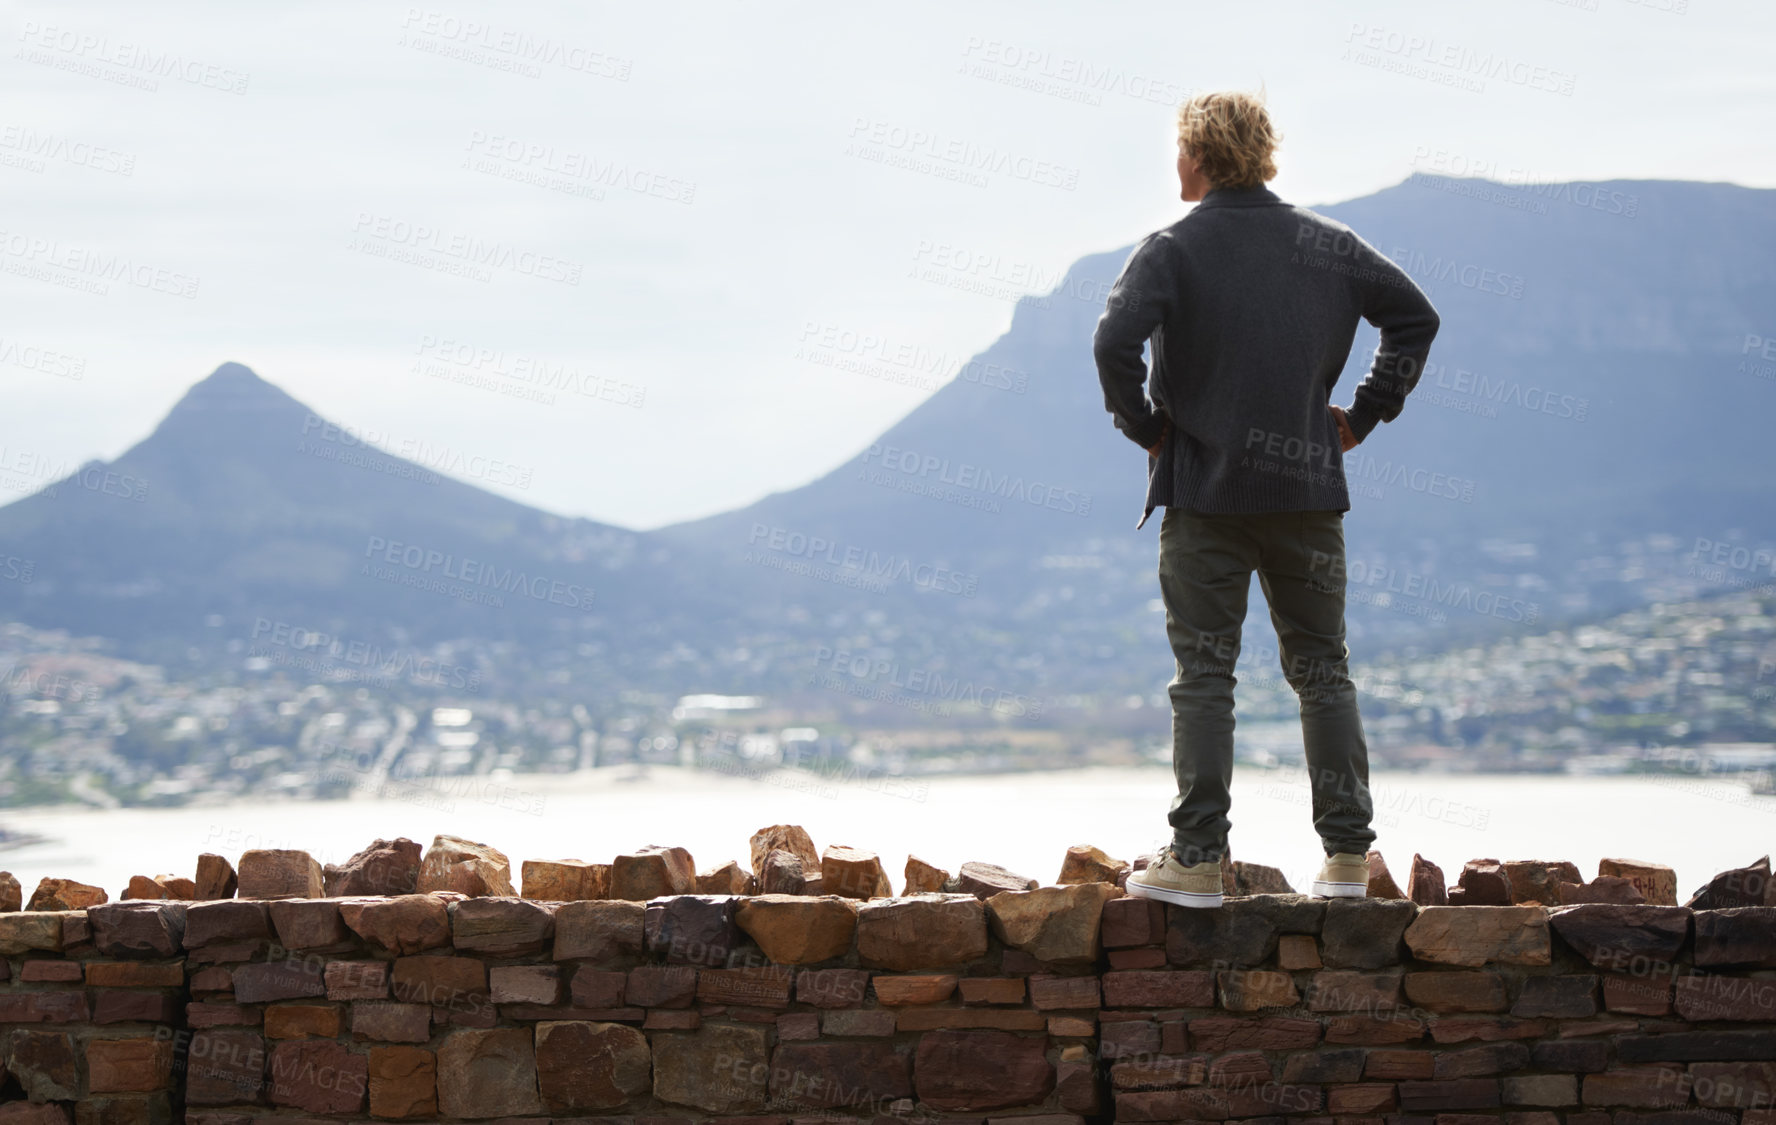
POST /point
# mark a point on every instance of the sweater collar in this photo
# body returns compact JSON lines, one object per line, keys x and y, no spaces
{"x":1256,"y":195}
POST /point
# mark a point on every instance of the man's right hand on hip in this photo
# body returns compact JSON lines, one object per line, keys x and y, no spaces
{"x":1347,"y":437}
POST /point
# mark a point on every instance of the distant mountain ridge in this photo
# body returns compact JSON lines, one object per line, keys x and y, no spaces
{"x":1588,"y":385}
{"x":244,"y":504}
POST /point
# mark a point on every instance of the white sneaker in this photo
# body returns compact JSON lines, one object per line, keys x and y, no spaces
{"x":1343,"y":875}
{"x":1167,"y":880}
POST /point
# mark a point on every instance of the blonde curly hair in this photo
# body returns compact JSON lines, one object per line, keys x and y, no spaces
{"x":1230,"y":135}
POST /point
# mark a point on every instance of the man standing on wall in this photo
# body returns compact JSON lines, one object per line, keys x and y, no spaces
{"x":1251,"y":306}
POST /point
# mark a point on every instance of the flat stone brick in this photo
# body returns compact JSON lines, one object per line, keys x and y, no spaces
{"x":797,"y":1026}
{"x":599,"y":988}
{"x":1563,"y":997}
{"x":1002,"y":1019}
{"x":51,"y":972}
{"x":1397,"y":1065}
{"x":529,"y":984}
{"x":1240,"y":1067}
{"x":1602,"y":1025}
{"x":403,"y":924}
{"x":832,"y":988}
{"x":584,"y":1064}
{"x":1251,"y":990}
{"x":1718,"y":996}
{"x":318,"y":1075}
{"x":690,"y":929}
{"x":1128,"y":1037}
{"x":135,"y":974}
{"x":225,"y":1066}
{"x":830,"y":1075}
{"x":390,"y":1021}
{"x":899,"y":990}
{"x":1739,"y":937}
{"x":1473,"y":936}
{"x":226,"y":921}
{"x":261,"y":982}
{"x":1373,"y":1031}
{"x":872,"y":1022}
{"x":1551,"y":1090}
{"x":129,"y":1066}
{"x":43,"y":1063}
{"x":308,"y":923}
{"x":663,"y":986}
{"x":1297,"y":952}
{"x":1214,"y":1034}
{"x":1343,"y":1064}
{"x":1734,"y":1085}
{"x":456,"y":984}
{"x":1129,"y":922}
{"x":1574,"y":1056}
{"x":1365,"y":933}
{"x":524,"y":1012}
{"x":1645,"y":1087}
{"x":1697,"y":1046}
{"x":491,"y":1073}
{"x":214,"y":978}
{"x":220,"y":1015}
{"x":1451,"y":1094}
{"x":1159,"y":988}
{"x":1613,"y":937}
{"x":1344,"y":990}
{"x":1072,"y":1027}
{"x":1484,"y":1029}
{"x":122,"y":1006}
{"x":356,"y":980}
{"x":765,"y":986}
{"x":501,"y":927}
{"x":1643,"y":996}
{"x":717,"y":1069}
{"x":987,"y":990}
{"x":922,"y":932}
{"x":403,"y":1082}
{"x":1147,"y":957}
{"x":301,"y":1021}
{"x":1057,"y":993}
{"x":602,"y":931}
{"x":1482,"y":1061}
{"x":1457,"y":991}
{"x":26,"y":931}
{"x":1360,"y":1098}
{"x":43,"y":1007}
{"x":1158,"y":1072}
{"x":142,"y":928}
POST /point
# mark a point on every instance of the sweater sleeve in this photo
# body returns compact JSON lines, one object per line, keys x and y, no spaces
{"x":1394,"y":303}
{"x":1137,"y":305}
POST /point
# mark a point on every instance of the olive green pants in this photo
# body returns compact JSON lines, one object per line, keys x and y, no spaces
{"x":1205,"y":570}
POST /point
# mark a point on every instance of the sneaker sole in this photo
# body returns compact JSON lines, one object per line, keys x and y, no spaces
{"x":1340,"y":890}
{"x":1176,"y":898}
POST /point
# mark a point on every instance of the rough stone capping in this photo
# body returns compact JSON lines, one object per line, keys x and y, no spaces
{"x":1055,"y":1005}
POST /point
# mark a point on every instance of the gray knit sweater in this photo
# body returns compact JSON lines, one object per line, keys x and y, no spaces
{"x":1251,"y":305}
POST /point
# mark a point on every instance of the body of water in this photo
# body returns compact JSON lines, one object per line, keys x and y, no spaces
{"x":1022,"y":821}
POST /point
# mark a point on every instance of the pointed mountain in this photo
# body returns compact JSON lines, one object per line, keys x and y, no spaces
{"x":244,"y":506}
{"x":1590,"y":382}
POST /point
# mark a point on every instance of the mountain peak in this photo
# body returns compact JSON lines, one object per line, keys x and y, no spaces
{"x":233,"y":370}
{"x":233,"y":388}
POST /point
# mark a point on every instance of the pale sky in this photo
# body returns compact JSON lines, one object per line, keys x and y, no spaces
{"x":296,"y":187}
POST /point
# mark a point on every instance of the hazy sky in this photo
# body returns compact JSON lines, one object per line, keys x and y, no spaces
{"x":406,"y":215}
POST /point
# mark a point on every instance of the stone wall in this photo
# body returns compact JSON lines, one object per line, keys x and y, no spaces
{"x":1057,"y":1005}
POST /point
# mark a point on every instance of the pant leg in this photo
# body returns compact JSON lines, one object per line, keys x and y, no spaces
{"x":1205,"y":571}
{"x":1302,"y":573}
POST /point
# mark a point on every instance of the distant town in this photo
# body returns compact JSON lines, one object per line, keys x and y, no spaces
{"x":1683,"y":688}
